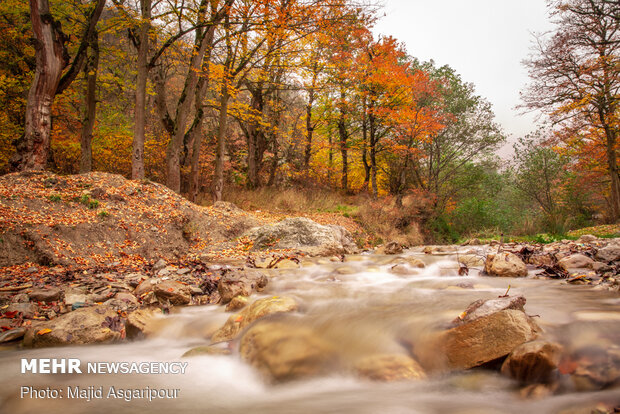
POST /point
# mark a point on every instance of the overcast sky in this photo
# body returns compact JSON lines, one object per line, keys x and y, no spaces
{"x":483,"y":40}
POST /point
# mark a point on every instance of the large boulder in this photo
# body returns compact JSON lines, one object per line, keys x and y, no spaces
{"x":486,"y":331}
{"x":259,"y":309}
{"x":284,"y":352}
{"x":389,"y":367}
{"x":83,"y":326}
{"x":533,"y":362}
{"x":505,"y":264}
{"x":142,"y":322}
{"x":482,"y":308}
{"x":576,"y":261}
{"x":45,"y":295}
{"x":305,"y":235}
{"x":240,"y":283}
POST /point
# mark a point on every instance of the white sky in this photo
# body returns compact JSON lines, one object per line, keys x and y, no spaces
{"x":483,"y":40}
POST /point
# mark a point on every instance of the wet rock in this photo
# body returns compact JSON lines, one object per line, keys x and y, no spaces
{"x":481,"y":308}
{"x":471,"y":260}
{"x":392,"y":248}
{"x":206,"y":350}
{"x":237,"y":303}
{"x":28,"y":310}
{"x":89,"y":325}
{"x":305,"y":235}
{"x":12,"y":335}
{"x":285,"y":352}
{"x":240,"y":283}
{"x":576,"y":261}
{"x":45,"y":295}
{"x":505,"y":264}
{"x":593,"y":367}
{"x":140,"y":323}
{"x":401,"y":269}
{"x":533,"y":362}
{"x":610,"y":253}
{"x":389,"y":367}
{"x":480,"y":341}
{"x":176,"y":293}
{"x":257,"y":310}
{"x":145,"y":286}
{"x":286,"y":264}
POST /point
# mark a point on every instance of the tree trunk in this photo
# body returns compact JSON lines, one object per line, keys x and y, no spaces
{"x":342,"y":132}
{"x":51,"y":59}
{"x":195,"y":132}
{"x":137,"y":159}
{"x":612,"y":165}
{"x":373,"y":157}
{"x":202,"y":42}
{"x":365,"y":150}
{"x":218,"y":175}
{"x":92,"y":66}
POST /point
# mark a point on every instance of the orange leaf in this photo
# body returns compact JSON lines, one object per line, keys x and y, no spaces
{"x":44,"y":331}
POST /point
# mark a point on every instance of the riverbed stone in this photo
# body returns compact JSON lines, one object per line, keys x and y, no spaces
{"x":206,"y":350}
{"x":237,"y":303}
{"x":478,"y":342}
{"x":505,"y":264}
{"x":482,"y":308}
{"x":45,"y":295}
{"x":471,"y":260}
{"x":176,"y":293}
{"x":240,"y":283}
{"x":389,"y":367}
{"x":96,"y":324}
{"x":141,"y":322}
{"x":533,"y":362}
{"x":259,"y":309}
{"x":610,"y":253}
{"x":576,"y":261}
{"x":283,"y":352}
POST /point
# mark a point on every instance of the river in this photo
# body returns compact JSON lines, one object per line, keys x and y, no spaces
{"x":363,"y":308}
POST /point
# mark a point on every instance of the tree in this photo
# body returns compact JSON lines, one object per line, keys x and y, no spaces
{"x":575,"y":74}
{"x":51,"y":59}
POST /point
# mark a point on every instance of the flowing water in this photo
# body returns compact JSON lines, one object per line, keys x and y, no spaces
{"x":364,"y":309}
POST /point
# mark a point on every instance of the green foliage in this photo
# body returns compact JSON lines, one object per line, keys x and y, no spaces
{"x":443,"y":231}
{"x":103,"y":214}
{"x":54,"y":198}
{"x":87,"y":201}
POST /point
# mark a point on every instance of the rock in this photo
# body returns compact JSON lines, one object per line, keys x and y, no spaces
{"x":305,"y":235}
{"x":20,"y":298}
{"x":45,"y":295}
{"x":593,"y":367}
{"x":140,"y":322}
{"x":206,"y":350}
{"x":161,"y":263}
{"x":480,"y":341}
{"x":482,"y":308}
{"x":505,"y":264}
{"x":176,"y":293}
{"x":75,"y":295}
{"x":533,"y":362}
{"x":541,"y":260}
{"x":285,"y":352}
{"x":89,"y":325}
{"x":611,"y":253}
{"x":472,"y":242}
{"x":237,"y":303}
{"x":145,"y":286}
{"x":12,"y":335}
{"x":286,"y":264}
{"x":126,"y":297}
{"x":389,"y":367}
{"x":393,"y":248}
{"x":240,"y":283}
{"x":257,"y":310}
{"x":134,"y":279}
{"x":28,"y":310}
{"x":576,"y":261}
{"x":401,"y":269}
{"x":471,"y":260}
{"x":587,"y":238}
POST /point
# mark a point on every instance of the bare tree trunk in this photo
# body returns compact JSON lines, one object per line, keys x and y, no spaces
{"x":218,"y":175}
{"x":612,"y":165}
{"x":92,"y":66}
{"x":51,"y":59}
{"x":195,"y":132}
{"x":137,"y":159}
{"x":365,"y":149}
